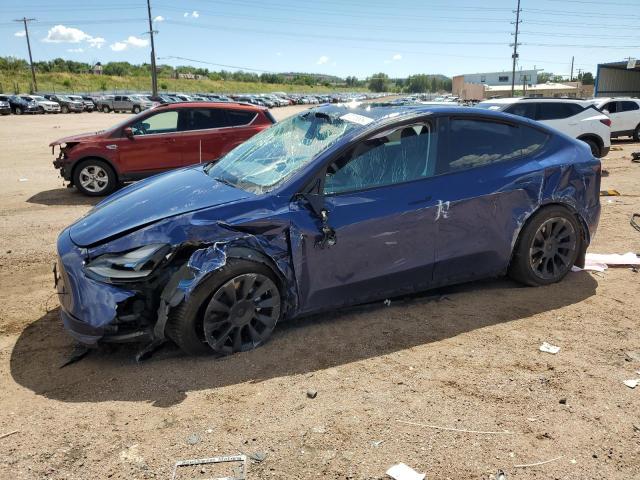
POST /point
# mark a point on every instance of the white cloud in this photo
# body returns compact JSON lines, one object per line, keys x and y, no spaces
{"x":75,"y":50}
{"x":118,"y":46}
{"x":19,"y":33}
{"x":136,"y":42}
{"x":396,"y":57}
{"x":279,"y":54}
{"x":195,"y":14}
{"x":159,"y":19}
{"x":131,"y":41}
{"x":322,"y":60}
{"x":62,"y":34}
{"x":186,"y":14}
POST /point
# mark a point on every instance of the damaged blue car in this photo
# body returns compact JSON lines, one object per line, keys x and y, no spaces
{"x":335,"y":206}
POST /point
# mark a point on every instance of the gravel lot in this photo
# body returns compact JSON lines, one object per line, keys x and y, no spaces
{"x":464,"y":357}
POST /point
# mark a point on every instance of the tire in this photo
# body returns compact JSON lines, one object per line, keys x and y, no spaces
{"x":200,"y":325}
{"x":18,"y":111}
{"x":105,"y":109}
{"x":135,"y":109}
{"x":547,"y":247}
{"x":94,"y":177}
{"x":595,"y":148}
{"x":636,"y":134}
{"x":64,"y":109}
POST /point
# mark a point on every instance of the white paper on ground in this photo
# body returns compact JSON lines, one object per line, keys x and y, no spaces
{"x":590,"y":267}
{"x":404,"y":472}
{"x":548,"y":348}
{"x":628,"y":258}
{"x":632,"y":383}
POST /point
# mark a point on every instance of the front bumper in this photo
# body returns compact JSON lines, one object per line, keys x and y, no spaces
{"x":5,"y":110}
{"x":51,"y":108}
{"x":89,"y":309}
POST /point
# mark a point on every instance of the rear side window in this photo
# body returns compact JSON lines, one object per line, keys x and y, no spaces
{"x":531,"y":139}
{"x":202,"y":118}
{"x":557,"y":111}
{"x":240,"y":117}
{"x":628,"y":106}
{"x":610,"y":107}
{"x":475,"y":142}
{"x":523,"y":109}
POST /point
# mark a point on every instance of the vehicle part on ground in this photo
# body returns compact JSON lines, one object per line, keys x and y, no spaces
{"x":239,"y":474}
{"x":95,"y":177}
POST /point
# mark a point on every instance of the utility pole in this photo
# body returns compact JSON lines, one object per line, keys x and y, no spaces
{"x":571,"y":78}
{"x":24,"y":20}
{"x":154,"y":72}
{"x":514,"y":56}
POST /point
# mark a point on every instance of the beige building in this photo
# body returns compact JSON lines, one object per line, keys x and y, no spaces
{"x":480,"y":91}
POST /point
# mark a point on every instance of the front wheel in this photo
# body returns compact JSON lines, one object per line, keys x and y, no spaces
{"x":235,"y":310}
{"x":547,"y":248}
{"x":136,"y":109}
{"x":105,"y":109}
{"x":94,"y":177}
{"x":18,"y":111}
{"x":595,"y":149}
{"x":636,"y":134}
{"x":65,"y":109}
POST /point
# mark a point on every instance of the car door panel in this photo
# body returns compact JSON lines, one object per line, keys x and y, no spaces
{"x":384,"y":246}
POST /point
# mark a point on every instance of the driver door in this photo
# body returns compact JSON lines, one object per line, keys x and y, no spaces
{"x":153,"y":147}
{"x":384,"y":219}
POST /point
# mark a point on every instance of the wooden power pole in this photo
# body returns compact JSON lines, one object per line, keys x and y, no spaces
{"x":25,"y":20}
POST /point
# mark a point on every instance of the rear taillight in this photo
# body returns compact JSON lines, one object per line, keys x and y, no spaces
{"x":606,"y":121}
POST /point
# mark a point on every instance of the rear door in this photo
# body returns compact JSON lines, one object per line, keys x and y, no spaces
{"x":154,"y":146}
{"x":562,"y":116}
{"x":629,"y":115}
{"x":617,"y":123}
{"x":478,"y":183}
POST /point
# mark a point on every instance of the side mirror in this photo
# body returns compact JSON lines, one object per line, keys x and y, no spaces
{"x":128,"y":132}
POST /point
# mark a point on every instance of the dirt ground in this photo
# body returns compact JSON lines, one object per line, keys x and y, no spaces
{"x":465,"y":357}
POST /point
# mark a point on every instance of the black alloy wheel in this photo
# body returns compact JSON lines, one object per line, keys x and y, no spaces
{"x":242,"y":313}
{"x":551,"y":252}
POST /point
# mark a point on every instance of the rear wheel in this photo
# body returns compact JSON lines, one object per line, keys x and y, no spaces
{"x":106,"y":109}
{"x":64,"y":109}
{"x":547,"y":248}
{"x":636,"y":134}
{"x":94,"y":177}
{"x":18,"y":111}
{"x":235,"y":310}
{"x":595,"y":148}
{"x":136,"y":109}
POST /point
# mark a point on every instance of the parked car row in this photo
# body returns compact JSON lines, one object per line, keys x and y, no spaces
{"x":46,"y":103}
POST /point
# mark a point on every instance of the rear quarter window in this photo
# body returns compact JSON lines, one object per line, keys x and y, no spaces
{"x":628,"y":106}
{"x":557,"y":111}
{"x":237,"y":118}
{"x":522,"y":109}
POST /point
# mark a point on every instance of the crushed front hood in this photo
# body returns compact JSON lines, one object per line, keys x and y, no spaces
{"x":146,"y":202}
{"x":74,"y":138}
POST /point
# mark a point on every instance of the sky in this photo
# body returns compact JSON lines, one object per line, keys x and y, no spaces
{"x":336,"y":37}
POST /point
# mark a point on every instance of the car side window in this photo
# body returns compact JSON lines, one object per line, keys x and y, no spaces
{"x":237,"y":118}
{"x":628,"y":106}
{"x":202,"y":119}
{"x":401,"y":155}
{"x":611,"y":107}
{"x":531,"y":140}
{"x":478,"y":142}
{"x":523,"y":109}
{"x":556,"y":111}
{"x":165,"y":122}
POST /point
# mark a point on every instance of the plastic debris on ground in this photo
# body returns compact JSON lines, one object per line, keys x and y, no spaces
{"x":240,"y":470}
{"x":548,"y":348}
{"x":599,"y":262}
{"x":404,"y":472}
{"x":632,"y":383}
{"x":609,"y":193}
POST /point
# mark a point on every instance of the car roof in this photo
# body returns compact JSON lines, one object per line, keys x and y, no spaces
{"x":236,"y":105}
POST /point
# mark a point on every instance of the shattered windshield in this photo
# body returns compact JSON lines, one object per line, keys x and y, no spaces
{"x":269,"y":158}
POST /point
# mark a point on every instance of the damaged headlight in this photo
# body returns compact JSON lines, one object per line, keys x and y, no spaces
{"x":133,"y":265}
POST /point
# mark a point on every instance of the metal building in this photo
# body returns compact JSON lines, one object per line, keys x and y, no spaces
{"x":617,"y":79}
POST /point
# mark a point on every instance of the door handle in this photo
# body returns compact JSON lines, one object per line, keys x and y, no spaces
{"x":169,"y":140}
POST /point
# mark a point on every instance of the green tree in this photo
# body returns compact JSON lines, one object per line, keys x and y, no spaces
{"x":586,"y":78}
{"x":379,"y":82}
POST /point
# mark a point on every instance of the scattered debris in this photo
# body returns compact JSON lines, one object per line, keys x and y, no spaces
{"x":548,"y":348}
{"x":387,"y":303}
{"x":563,"y":401}
{"x":463,"y":430}
{"x":79,"y":352}
{"x":538,"y":463}
{"x":632,"y":383}
{"x":605,"y":173}
{"x":501,"y":475}
{"x":311,"y":393}
{"x":632,"y":356}
{"x":257,"y":456}
{"x":609,"y":193}
{"x":193,"y":439}
{"x":377,"y":443}
{"x":319,"y":430}
{"x":23,"y":179}
{"x":206,"y":461}
{"x":133,"y":456}
{"x":612,"y":259}
{"x":635,"y":157}
{"x":401,"y":471}
{"x":8,"y":434}
{"x":634,"y":222}
{"x":616,"y":148}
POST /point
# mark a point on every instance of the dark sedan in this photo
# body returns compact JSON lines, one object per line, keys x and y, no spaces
{"x":19,"y":105}
{"x":335,"y":206}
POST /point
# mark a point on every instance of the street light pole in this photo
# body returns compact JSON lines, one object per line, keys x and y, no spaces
{"x":24,"y":20}
{"x":514,"y":56}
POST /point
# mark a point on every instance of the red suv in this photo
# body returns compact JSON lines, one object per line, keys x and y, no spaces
{"x":165,"y":137}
